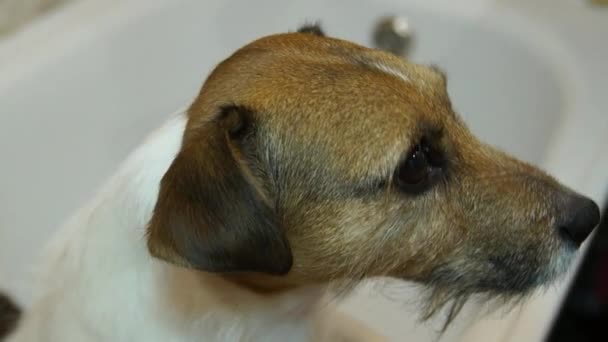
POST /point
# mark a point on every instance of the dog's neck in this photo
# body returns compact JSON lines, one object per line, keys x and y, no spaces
{"x":114,"y":265}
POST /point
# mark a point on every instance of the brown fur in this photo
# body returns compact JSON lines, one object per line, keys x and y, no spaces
{"x":286,"y":177}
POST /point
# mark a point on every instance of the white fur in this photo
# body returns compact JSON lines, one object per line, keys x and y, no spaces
{"x":391,"y":71}
{"x":102,"y":285}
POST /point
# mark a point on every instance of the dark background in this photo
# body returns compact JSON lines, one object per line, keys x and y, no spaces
{"x":584,"y":313}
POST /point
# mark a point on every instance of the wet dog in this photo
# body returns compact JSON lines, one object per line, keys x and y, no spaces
{"x":305,"y":165}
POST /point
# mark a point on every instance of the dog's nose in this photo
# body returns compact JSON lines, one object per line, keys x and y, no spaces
{"x":578,"y":218}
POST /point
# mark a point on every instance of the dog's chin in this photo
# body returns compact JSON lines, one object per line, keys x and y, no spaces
{"x":506,"y":279}
{"x":559,"y":266}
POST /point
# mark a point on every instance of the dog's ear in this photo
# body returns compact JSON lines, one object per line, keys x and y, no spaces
{"x":211,"y":214}
{"x":314,"y":29}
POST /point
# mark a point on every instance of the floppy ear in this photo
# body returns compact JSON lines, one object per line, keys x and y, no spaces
{"x":209,"y":214}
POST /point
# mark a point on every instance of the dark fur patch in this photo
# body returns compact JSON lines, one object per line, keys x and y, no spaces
{"x":210,"y":214}
{"x":314,"y":29}
{"x":9,"y":315}
{"x":236,"y":120}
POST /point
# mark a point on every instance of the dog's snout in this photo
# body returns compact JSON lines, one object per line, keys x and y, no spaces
{"x":579,"y":216}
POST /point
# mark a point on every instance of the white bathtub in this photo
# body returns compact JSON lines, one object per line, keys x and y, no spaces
{"x":80,"y":87}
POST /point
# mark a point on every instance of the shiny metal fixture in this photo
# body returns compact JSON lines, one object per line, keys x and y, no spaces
{"x":393,"y":34}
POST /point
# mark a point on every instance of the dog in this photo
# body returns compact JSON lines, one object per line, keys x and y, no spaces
{"x":305,"y":165}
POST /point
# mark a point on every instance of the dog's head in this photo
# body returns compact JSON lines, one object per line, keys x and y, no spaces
{"x":308,"y":159}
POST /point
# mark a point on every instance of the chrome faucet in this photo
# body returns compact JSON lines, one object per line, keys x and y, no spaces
{"x":393,"y":34}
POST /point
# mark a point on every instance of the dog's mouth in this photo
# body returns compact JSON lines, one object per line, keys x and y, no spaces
{"x":507,"y":278}
{"x":512,"y":274}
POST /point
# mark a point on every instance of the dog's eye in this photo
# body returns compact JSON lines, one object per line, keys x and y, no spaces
{"x":415,"y":169}
{"x":415,"y":173}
